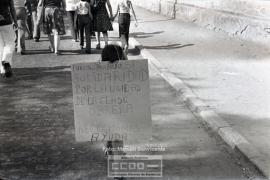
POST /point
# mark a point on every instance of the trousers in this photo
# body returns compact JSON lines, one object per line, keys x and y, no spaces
{"x":7,"y":37}
{"x":85,"y":27}
{"x":20,"y":33}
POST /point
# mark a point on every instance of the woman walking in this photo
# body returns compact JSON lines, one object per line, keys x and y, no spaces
{"x":53,"y":24}
{"x":123,"y":8}
{"x":85,"y":23}
{"x":71,"y":9}
{"x":102,"y":20}
{"x":7,"y":16}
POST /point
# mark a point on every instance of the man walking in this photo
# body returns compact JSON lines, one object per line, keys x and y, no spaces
{"x":21,"y":19}
{"x":36,"y":32}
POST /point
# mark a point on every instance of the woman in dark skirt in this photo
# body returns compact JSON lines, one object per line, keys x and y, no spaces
{"x":102,"y":20}
{"x":123,"y":8}
{"x":53,"y":24}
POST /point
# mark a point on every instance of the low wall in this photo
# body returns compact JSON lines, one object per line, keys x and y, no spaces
{"x":248,"y":19}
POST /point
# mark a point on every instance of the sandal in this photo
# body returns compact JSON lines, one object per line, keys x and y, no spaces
{"x":57,"y":53}
{"x":51,"y":49}
{"x":7,"y":69}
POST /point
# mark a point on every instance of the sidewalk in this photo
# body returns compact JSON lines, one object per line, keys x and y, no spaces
{"x":37,"y":126}
{"x":227,"y":74}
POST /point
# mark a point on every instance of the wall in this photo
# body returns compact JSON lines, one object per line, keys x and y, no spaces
{"x":248,"y":19}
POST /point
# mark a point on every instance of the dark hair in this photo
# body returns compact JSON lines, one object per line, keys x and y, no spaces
{"x":112,"y":53}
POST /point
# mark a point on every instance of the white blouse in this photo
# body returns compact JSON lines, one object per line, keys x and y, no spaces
{"x":71,"y":5}
{"x":82,"y":7}
{"x":124,"y":6}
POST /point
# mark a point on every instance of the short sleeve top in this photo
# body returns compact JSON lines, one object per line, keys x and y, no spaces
{"x":5,"y":16}
{"x":124,"y":6}
{"x":82,"y":7}
{"x":71,"y":5}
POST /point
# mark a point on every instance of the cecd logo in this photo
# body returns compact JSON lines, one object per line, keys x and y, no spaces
{"x":128,"y":166}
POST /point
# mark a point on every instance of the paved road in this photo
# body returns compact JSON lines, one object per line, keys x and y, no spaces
{"x":230,"y":75}
{"x":37,"y":126}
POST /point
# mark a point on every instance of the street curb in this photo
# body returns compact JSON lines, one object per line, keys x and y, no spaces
{"x":207,"y":115}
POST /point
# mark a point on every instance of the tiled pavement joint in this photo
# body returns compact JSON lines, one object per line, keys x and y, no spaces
{"x":207,"y":115}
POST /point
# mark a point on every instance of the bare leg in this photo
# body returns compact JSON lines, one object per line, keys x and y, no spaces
{"x":56,"y":41}
{"x":51,"y":42}
{"x":106,"y":38}
{"x":123,"y":41}
{"x":98,"y":39}
{"x":126,"y":41}
{"x":2,"y":46}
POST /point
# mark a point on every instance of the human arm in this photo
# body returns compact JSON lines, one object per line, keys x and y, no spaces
{"x":40,"y":11}
{"x":13,"y":13}
{"x":40,"y":3}
{"x":133,"y":12}
{"x":64,"y":6}
{"x":89,"y":11}
{"x":116,"y":13}
{"x":110,"y":8}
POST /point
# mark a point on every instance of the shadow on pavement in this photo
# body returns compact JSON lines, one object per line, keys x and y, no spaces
{"x":37,"y":133}
{"x":37,"y":128}
{"x":189,"y":155}
{"x":144,"y":35}
{"x":39,"y":51}
{"x":170,"y":46}
{"x":80,"y":52}
{"x":134,"y":52}
{"x":153,"y":21}
{"x":252,"y":129}
{"x":63,"y":52}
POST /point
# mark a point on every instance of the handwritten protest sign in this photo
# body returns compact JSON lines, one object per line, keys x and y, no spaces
{"x":111,"y":101}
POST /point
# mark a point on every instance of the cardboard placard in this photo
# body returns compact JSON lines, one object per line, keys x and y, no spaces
{"x":111,"y":101}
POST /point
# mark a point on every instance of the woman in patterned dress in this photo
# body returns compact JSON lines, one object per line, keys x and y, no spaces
{"x":53,"y":24}
{"x":102,"y":20}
